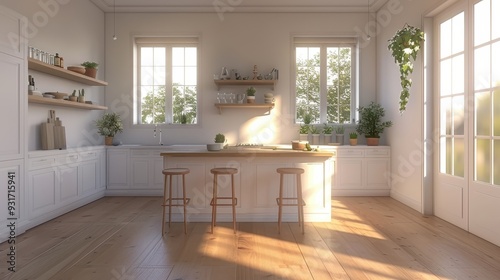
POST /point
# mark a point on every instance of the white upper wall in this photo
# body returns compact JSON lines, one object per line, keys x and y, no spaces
{"x":406,"y":137}
{"x":237,"y":41}
{"x":75,"y":30}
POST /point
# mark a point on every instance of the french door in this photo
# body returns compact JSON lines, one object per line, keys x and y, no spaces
{"x":467,"y":175}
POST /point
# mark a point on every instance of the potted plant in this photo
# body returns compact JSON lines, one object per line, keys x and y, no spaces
{"x":251,"y":95}
{"x":339,"y":134}
{"x":90,"y":68}
{"x":303,"y":132}
{"x":73,"y":96}
{"x":108,"y":125}
{"x":81,"y":96}
{"x":404,"y":47}
{"x":220,"y":139}
{"x":315,"y":134}
{"x":370,"y":123}
{"x":353,"y":138}
{"x":327,"y":133}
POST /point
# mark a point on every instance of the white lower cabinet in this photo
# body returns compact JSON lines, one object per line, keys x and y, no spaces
{"x":60,"y":181}
{"x":362,"y":171}
{"x":11,"y":197}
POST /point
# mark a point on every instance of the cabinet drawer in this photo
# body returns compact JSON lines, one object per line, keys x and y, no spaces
{"x":144,"y":153}
{"x":38,"y":163}
{"x":377,"y":153}
{"x":88,"y":155}
{"x":350,"y":153}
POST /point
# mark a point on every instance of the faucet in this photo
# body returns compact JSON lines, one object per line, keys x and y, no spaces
{"x":154,"y":133}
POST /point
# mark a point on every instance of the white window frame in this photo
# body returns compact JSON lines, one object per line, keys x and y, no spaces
{"x":323,"y":43}
{"x":167,"y":42}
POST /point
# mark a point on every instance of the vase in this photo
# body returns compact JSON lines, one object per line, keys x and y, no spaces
{"x":339,"y":139}
{"x":108,"y":141}
{"x":91,"y":72}
{"x":372,"y":141}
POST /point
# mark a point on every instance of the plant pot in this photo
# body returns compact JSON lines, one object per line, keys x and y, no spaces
{"x":315,"y":139}
{"x":108,"y":141}
{"x":339,"y":139}
{"x":91,"y":72}
{"x":371,"y":141}
{"x":353,"y":142}
{"x":303,"y":137}
{"x":73,"y":98}
{"x":250,"y":99}
{"x":81,"y":99}
{"x":327,"y":138}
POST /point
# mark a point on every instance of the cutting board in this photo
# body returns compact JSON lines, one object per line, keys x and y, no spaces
{"x":47,"y":136}
{"x":59,"y":137}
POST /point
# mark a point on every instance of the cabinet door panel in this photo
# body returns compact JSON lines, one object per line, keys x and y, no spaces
{"x":117,"y":169}
{"x":43,"y":184}
{"x":12,"y":32}
{"x":267,"y":186}
{"x":68,"y":182}
{"x":350,"y":174}
{"x":377,"y":173}
{"x":89,"y":176}
{"x":140,"y":174}
{"x":11,"y":107}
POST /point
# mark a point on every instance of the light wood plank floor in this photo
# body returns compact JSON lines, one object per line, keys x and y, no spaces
{"x":368,"y":238}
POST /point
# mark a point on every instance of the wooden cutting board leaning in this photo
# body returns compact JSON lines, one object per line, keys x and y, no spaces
{"x":53,"y":133}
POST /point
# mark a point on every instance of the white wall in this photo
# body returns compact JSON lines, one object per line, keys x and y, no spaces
{"x":406,"y":137}
{"x":238,"y":41}
{"x":75,"y":30}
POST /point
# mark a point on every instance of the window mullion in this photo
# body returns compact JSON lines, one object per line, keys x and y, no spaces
{"x":323,"y":84}
{"x":168,"y":86}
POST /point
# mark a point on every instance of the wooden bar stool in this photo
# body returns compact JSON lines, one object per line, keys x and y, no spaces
{"x":215,"y":198}
{"x":282,"y":201}
{"x":167,"y":201}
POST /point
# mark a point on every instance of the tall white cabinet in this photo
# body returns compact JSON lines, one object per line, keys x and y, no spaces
{"x":13,"y":90}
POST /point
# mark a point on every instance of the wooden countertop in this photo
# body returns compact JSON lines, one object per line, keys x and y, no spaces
{"x":248,"y":152}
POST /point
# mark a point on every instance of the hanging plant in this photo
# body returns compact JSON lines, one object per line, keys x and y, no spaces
{"x":404,"y":47}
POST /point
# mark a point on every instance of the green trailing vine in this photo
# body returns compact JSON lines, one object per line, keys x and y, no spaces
{"x":405,"y":46}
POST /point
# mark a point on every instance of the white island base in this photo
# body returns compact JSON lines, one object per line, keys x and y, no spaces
{"x":256,"y":184}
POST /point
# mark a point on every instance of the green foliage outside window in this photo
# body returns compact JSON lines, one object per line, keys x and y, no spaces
{"x":184,"y":106}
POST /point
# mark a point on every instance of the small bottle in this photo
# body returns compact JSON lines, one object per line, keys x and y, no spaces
{"x":57,"y":60}
{"x":61,"y":62}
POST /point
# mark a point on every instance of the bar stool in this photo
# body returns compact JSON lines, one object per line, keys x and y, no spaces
{"x":167,"y":201}
{"x":282,"y":201}
{"x":215,"y":198}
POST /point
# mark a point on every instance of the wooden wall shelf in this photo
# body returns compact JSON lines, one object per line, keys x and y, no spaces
{"x":268,"y":106}
{"x":63,"y":73}
{"x":221,"y":83}
{"x":64,"y":103}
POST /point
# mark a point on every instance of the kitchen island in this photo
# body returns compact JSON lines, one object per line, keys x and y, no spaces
{"x":256,"y":183}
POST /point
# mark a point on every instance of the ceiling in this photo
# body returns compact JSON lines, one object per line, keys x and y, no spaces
{"x":239,"y":6}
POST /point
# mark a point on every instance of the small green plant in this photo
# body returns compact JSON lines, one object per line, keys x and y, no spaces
{"x":251,"y":91}
{"x":220,"y":138}
{"x":90,"y":64}
{"x":327,"y":129}
{"x":109,"y":124}
{"x":304,"y":129}
{"x":370,"y":121}
{"x":353,"y":135}
{"x":313,"y":129}
{"x":404,"y":47}
{"x":308,"y":118}
{"x":74,"y":93}
{"x":81,"y":93}
{"x":339,"y":129}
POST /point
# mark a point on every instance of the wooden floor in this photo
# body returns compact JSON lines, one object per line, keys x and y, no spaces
{"x":368,"y":238}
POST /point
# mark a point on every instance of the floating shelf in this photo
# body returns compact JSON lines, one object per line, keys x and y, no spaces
{"x":63,"y":73}
{"x":64,"y":103}
{"x":221,"y":83}
{"x":268,"y":106}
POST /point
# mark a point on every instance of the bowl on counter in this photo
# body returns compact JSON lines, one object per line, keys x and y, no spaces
{"x":299,"y":145}
{"x":214,"y":147}
{"x":57,"y":95}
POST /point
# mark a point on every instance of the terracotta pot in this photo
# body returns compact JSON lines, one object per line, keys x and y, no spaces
{"x":108,"y":141}
{"x":372,"y":141}
{"x":353,"y":142}
{"x":91,"y":72}
{"x":250,"y":99}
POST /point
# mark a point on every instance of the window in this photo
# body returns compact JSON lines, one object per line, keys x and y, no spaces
{"x":167,"y":74}
{"x":325,"y":80}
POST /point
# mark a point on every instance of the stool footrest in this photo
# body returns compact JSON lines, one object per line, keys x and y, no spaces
{"x":214,"y":202}
{"x":176,"y":199}
{"x":289,"y":204}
